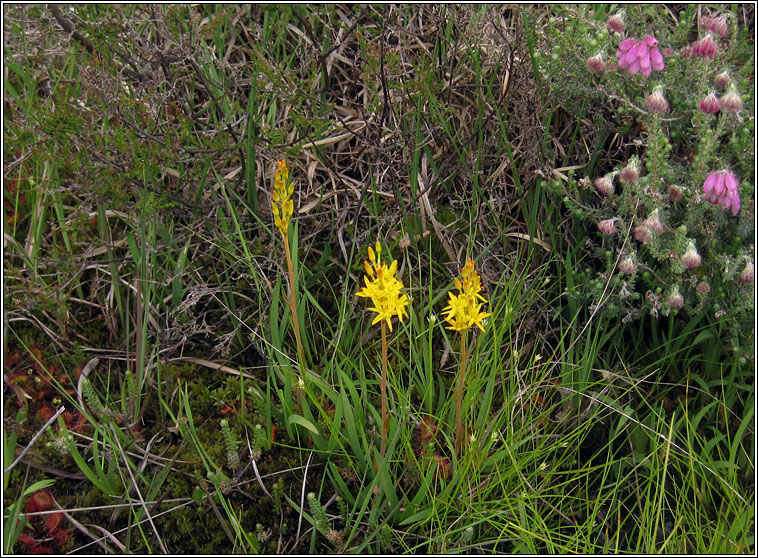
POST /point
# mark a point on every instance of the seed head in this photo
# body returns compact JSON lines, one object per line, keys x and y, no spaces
{"x":747,"y":275}
{"x":718,"y":25}
{"x":705,"y":47}
{"x":710,"y":105}
{"x":691,"y":259}
{"x":656,"y":102}
{"x":674,"y":193}
{"x":631,"y":172}
{"x":642,"y":234}
{"x":731,"y":100}
{"x":653,"y":222}
{"x":721,"y":80}
{"x":627,"y":265}
{"x":597,"y":62}
{"x":608,"y":226}
{"x":604,"y":184}
{"x":703,"y":288}
{"x":616,"y":23}
{"x":675,"y":299}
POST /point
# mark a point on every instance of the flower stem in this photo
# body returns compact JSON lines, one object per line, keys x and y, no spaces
{"x":292,"y":302}
{"x":383,"y":389}
{"x":459,"y":395}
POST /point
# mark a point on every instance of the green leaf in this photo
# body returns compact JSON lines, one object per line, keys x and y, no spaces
{"x":305,"y":423}
{"x":176,"y":284}
{"x":39,"y":485}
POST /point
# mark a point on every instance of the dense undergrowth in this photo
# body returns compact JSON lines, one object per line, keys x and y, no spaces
{"x":187,"y":371}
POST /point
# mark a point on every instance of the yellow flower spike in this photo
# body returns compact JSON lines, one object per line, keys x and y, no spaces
{"x":282,"y":208}
{"x":282,"y":205}
{"x":464,"y":310}
{"x":383,"y":288}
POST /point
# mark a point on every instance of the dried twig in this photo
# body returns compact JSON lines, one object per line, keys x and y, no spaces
{"x":34,"y":439}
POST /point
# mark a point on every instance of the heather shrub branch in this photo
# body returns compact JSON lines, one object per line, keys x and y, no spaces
{"x":682,"y":181}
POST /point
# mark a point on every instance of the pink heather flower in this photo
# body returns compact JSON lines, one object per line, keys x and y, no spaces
{"x":675,"y":300}
{"x":654,"y":223}
{"x":604,"y":184}
{"x":642,"y":234}
{"x":721,"y":80}
{"x":748,"y":274}
{"x":718,"y":25}
{"x":685,"y":51}
{"x":731,"y":100}
{"x":674,"y":193}
{"x":705,"y":47}
{"x":656,"y":102}
{"x":721,"y":189}
{"x":710,"y":105}
{"x":627,"y":266}
{"x":640,"y":55}
{"x":631,"y":172}
{"x":597,"y":62}
{"x":616,"y":23}
{"x":608,"y":226}
{"x":703,"y":288}
{"x":691,"y":259}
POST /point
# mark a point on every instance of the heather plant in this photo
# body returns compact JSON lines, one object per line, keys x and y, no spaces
{"x":672,"y":208}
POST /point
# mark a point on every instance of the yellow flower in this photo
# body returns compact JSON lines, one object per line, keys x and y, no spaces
{"x":282,"y":205}
{"x":383,"y":288}
{"x":464,"y":310}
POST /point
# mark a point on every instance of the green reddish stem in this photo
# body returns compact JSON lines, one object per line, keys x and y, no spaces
{"x":383,"y":389}
{"x":292,"y":302}
{"x":459,"y":395}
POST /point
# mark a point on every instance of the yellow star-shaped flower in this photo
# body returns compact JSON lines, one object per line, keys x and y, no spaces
{"x":464,"y":310}
{"x":383,"y":288}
